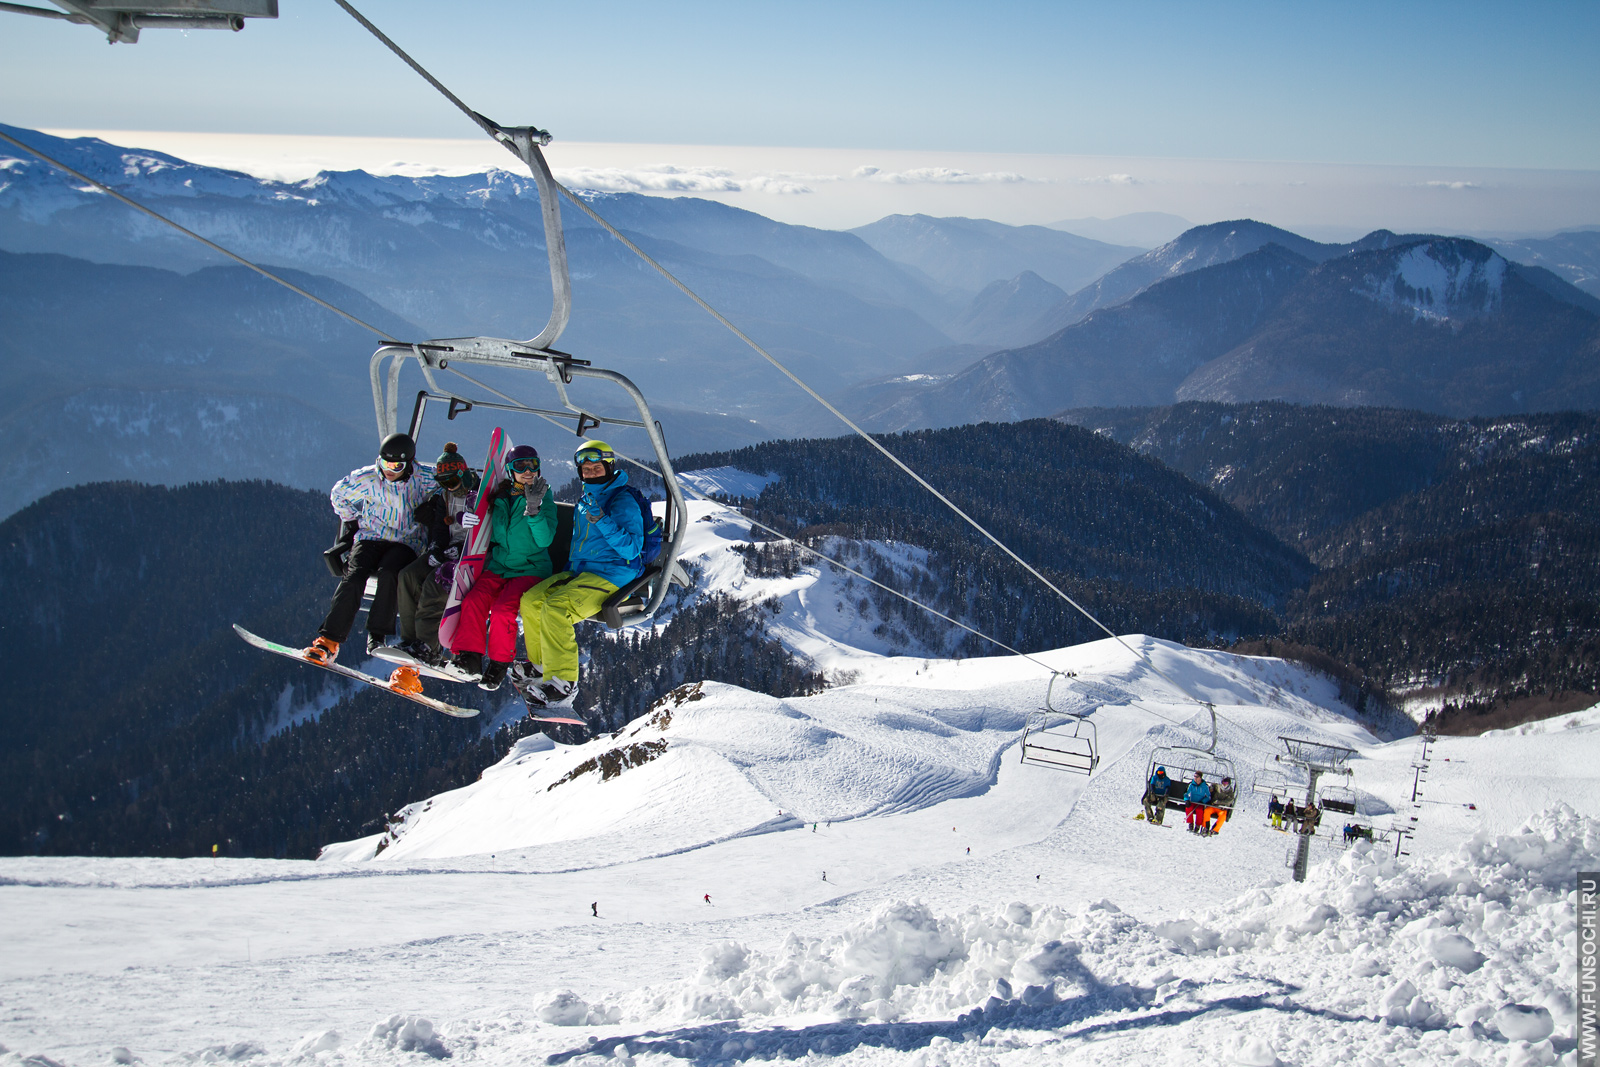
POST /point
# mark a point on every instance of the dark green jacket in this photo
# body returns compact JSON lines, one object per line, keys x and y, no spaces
{"x":519,"y":545}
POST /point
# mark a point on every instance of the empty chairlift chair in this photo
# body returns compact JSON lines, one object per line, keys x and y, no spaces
{"x":1061,"y":739}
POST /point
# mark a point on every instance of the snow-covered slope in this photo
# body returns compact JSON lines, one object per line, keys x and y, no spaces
{"x":868,"y":875}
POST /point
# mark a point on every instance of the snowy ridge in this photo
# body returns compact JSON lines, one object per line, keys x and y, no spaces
{"x":866,"y":875}
{"x":1441,"y":281}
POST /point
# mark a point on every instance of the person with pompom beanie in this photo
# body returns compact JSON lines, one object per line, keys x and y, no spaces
{"x":425,"y":584}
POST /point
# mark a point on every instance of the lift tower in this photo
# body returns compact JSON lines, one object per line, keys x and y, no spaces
{"x":1316,"y":759}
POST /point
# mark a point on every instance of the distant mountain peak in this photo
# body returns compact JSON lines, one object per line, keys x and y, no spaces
{"x":1443,"y":280}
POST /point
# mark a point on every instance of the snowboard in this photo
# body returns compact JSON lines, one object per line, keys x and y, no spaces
{"x":294,"y":653}
{"x":444,"y":674}
{"x":535,"y":704}
{"x":476,"y":551}
{"x":448,"y":674}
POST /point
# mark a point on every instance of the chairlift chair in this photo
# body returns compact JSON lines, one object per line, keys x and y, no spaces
{"x":555,"y":371}
{"x":1182,"y":761}
{"x":1054,"y":737}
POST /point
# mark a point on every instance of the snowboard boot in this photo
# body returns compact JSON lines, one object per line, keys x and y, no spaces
{"x":557,"y":692}
{"x":322,"y":650}
{"x":405,"y":679}
{"x":375,"y":642}
{"x":524,"y":675}
{"x":494,"y":672}
{"x":417,"y":650}
{"x":470,"y":664}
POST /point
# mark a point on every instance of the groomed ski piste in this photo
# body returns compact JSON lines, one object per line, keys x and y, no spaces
{"x":864,"y":876}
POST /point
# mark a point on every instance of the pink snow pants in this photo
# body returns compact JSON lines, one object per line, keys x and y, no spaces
{"x":489,"y":610}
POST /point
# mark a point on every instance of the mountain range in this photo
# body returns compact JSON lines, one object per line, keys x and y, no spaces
{"x":1434,"y":324}
{"x":113,"y":321}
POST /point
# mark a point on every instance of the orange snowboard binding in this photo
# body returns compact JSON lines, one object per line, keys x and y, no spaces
{"x":405,"y":679}
{"x":322,"y":650}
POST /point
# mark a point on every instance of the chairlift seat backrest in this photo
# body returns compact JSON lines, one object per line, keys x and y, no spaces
{"x":563,"y":541}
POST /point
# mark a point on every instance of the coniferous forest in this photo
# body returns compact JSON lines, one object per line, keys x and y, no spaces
{"x":1404,"y":554}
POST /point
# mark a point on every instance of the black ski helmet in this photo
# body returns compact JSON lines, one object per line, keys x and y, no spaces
{"x":595,"y":452}
{"x":398,"y":448}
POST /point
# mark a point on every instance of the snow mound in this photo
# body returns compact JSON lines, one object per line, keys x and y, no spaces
{"x":1427,"y":956}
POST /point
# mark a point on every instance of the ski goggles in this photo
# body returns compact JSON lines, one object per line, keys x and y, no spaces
{"x":524,"y":465}
{"x":593,"y":455}
{"x":394,"y":465}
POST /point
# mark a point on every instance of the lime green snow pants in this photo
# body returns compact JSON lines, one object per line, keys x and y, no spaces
{"x":549,"y":611}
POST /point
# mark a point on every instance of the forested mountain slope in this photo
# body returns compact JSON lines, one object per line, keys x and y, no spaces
{"x":136,"y":722}
{"x":1147,"y":549}
{"x":1459,"y":555}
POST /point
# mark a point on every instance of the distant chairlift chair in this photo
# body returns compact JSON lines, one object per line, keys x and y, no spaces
{"x":1057,"y":738}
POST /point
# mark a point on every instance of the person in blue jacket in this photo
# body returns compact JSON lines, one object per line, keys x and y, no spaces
{"x":1155,"y":796}
{"x":606,"y":553}
{"x":1195,"y":800}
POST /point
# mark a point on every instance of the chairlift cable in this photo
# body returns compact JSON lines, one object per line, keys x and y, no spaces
{"x":594,"y":215}
{"x":104,"y":188}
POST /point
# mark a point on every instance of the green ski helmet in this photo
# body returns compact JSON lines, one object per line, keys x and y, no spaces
{"x":595,"y":452}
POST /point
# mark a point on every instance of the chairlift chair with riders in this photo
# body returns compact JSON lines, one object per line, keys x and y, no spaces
{"x":640,"y":599}
{"x":1182,"y":761}
{"x":1054,"y":737}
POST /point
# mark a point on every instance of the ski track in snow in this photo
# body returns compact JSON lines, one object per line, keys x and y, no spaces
{"x":848,"y":919}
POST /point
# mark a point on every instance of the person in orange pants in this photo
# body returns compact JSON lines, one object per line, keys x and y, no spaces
{"x":1221,"y":805}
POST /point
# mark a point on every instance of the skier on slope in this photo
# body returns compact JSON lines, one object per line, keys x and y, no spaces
{"x":522,"y":524}
{"x":606,"y":553}
{"x":379,"y":535}
{"x":425,"y":584}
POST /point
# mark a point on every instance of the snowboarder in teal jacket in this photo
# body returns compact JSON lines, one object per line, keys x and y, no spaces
{"x":1195,"y":799}
{"x":522,"y":522}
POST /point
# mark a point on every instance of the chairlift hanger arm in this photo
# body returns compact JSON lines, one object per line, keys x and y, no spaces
{"x":121,"y":20}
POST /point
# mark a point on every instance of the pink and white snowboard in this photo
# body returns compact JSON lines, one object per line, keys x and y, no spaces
{"x":476,"y":554}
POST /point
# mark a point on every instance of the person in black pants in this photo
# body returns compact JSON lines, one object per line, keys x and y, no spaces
{"x":379,"y":536}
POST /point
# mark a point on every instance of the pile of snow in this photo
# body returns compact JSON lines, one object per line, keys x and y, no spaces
{"x":1459,"y":959}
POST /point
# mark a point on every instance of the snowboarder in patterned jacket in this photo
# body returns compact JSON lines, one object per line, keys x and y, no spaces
{"x":1195,"y":799}
{"x":1155,"y":796}
{"x":522,"y":524}
{"x":378,"y":536}
{"x":425,"y":584}
{"x":606,"y":553}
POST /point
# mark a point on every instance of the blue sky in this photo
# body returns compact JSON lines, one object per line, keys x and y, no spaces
{"x":1471,"y":84}
{"x":1377,"y":114}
